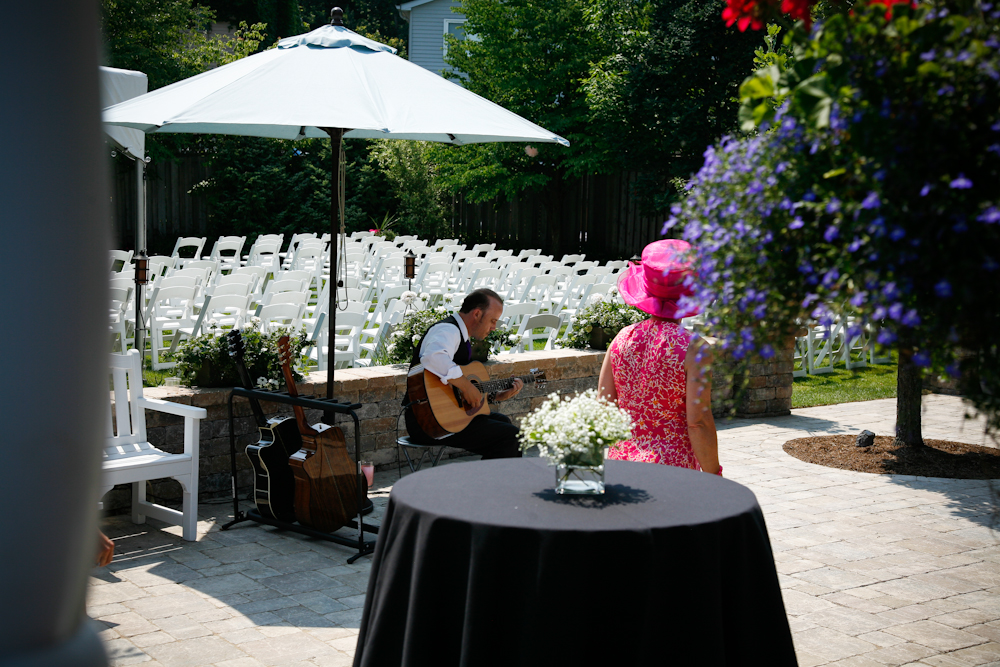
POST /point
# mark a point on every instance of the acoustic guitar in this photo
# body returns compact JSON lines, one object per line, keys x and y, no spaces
{"x":441,"y":409}
{"x":273,"y":482}
{"x":326,"y":479}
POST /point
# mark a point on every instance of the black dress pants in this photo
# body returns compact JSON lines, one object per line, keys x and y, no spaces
{"x":493,"y":436}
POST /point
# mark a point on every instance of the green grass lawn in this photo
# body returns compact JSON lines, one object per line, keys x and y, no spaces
{"x":844,"y":386}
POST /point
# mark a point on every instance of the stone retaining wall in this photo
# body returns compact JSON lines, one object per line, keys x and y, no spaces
{"x":380,"y":390}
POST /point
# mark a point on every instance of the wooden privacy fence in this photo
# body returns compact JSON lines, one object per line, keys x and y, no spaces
{"x":170,"y":210}
{"x":594,"y":214}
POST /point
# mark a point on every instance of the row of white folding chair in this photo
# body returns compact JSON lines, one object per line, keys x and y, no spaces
{"x":172,"y":309}
{"x":506,"y":275}
{"x":824,"y":346}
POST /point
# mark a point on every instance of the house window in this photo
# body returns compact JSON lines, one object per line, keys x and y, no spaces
{"x":455,"y":28}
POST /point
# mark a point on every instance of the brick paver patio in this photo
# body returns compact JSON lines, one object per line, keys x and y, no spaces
{"x":875,"y":570}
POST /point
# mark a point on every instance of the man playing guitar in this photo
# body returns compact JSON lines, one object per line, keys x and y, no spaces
{"x":443,"y":349}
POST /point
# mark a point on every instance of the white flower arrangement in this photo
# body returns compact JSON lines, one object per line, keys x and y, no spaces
{"x":575,"y":431}
{"x":409,"y":298}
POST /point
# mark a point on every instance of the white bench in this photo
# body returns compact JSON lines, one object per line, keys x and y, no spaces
{"x":130,"y":459}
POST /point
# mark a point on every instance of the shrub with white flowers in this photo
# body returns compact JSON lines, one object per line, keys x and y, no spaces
{"x":406,"y":337}
{"x":260,"y":356}
{"x":608,"y":313}
{"x":575,"y":431}
{"x":500,"y":338}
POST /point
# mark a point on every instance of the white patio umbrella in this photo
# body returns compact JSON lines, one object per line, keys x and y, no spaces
{"x":329,"y":82}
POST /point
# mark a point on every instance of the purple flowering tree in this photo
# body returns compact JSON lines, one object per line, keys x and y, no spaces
{"x":872,"y":191}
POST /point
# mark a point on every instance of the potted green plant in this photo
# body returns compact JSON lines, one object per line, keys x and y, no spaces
{"x":596,"y":325}
{"x":204,"y":361}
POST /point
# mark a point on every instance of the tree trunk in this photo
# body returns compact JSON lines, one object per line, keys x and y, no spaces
{"x":908,"y":390}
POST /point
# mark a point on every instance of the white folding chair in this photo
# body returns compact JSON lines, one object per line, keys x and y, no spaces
{"x":194,"y":244}
{"x":169,"y":309}
{"x":549,"y":324}
{"x":228,"y":251}
{"x":281,"y":316}
{"x":123,"y":256}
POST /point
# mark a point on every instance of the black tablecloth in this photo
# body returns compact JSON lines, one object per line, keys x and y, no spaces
{"x":483,"y":564}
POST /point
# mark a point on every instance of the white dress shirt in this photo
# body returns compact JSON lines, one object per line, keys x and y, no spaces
{"x":440,"y":344}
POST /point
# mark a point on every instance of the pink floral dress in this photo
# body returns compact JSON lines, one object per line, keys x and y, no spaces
{"x":648,"y":363}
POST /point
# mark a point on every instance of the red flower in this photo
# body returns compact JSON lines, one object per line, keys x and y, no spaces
{"x":798,"y":10}
{"x":744,"y":13}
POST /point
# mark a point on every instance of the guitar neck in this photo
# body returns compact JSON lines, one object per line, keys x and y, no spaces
{"x":286,"y":369}
{"x":492,"y":386}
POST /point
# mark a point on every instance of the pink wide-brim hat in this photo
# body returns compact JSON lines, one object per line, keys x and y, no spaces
{"x":655,"y":285}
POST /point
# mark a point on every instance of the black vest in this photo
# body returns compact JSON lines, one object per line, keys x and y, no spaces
{"x":462,"y":356}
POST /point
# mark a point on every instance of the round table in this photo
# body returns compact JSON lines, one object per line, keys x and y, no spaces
{"x":484,"y":564}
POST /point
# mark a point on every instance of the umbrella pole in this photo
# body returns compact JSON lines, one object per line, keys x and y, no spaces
{"x":140,"y":249}
{"x":336,"y":138}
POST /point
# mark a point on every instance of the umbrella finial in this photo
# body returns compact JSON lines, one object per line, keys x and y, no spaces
{"x":336,"y":16}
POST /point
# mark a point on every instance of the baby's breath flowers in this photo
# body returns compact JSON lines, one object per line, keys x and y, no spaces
{"x":575,"y":431}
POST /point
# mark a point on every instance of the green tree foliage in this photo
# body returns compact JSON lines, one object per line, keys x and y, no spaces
{"x":407,"y":167}
{"x":283,"y":18}
{"x":377,"y":19}
{"x":873,"y":196}
{"x":667,"y":87}
{"x":272,"y":186}
{"x":635,"y":85}
{"x":529,"y":56}
{"x":166,"y":39}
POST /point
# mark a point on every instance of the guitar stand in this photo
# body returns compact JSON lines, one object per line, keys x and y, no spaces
{"x":363,"y":546}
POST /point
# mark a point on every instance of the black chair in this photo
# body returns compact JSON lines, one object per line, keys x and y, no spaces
{"x":404,"y":444}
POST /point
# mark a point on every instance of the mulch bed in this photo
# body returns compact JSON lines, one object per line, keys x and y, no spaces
{"x":938,"y":458}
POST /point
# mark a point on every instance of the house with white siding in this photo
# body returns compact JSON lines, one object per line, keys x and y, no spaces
{"x":430,"y":21}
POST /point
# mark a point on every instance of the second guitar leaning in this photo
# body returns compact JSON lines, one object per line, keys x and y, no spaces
{"x":326,"y":479}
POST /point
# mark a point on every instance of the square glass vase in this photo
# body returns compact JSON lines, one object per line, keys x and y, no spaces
{"x":579,"y":480}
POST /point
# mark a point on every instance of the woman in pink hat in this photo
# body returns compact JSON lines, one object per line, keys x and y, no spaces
{"x":653,"y":370}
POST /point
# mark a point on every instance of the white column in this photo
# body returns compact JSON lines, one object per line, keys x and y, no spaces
{"x":55,"y":217}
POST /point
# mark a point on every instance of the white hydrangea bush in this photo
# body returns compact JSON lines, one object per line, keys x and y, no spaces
{"x":576,"y":430}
